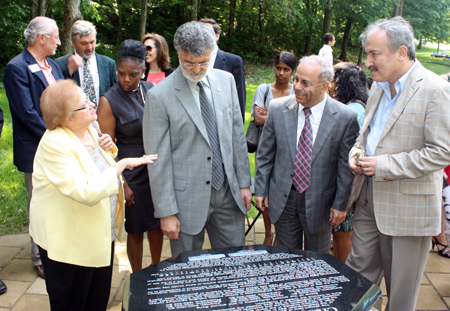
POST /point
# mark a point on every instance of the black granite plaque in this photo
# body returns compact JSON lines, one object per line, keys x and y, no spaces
{"x":250,"y":278}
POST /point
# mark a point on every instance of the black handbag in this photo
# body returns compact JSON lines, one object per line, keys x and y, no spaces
{"x":252,"y":137}
{"x":253,"y":130}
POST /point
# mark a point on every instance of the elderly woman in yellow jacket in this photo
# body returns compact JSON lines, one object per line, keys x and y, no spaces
{"x":77,"y":206}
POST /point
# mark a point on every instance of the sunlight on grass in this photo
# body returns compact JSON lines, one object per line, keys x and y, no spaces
{"x":13,"y":195}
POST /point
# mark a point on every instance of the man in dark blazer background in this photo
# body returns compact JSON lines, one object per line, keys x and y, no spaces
{"x":2,"y":285}
{"x":305,"y":186}
{"x":26,"y":77}
{"x":102,"y":69}
{"x":230,"y":63}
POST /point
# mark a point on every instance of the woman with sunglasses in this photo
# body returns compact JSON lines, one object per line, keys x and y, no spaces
{"x":120,"y":114}
{"x":77,"y":206}
{"x":285,"y":65}
{"x":157,"y":61}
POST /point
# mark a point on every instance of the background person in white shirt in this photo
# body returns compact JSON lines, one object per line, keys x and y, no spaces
{"x":326,"y":51}
{"x":101,"y":70}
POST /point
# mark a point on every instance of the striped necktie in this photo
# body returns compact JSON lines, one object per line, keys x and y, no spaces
{"x":211,"y":129}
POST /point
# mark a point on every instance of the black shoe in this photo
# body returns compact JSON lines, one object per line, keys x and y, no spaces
{"x":444,"y":251}
{"x":2,"y":287}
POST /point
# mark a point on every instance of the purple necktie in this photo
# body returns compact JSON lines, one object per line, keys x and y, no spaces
{"x":302,"y":165}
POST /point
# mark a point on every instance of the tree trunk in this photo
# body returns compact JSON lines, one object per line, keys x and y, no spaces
{"x":398,"y":9}
{"x":231,"y":20}
{"x":419,"y":47}
{"x":241,"y":21}
{"x":42,"y":7}
{"x":327,"y":17}
{"x":360,"y":57}
{"x":348,"y":27}
{"x":119,"y":27}
{"x":307,"y":37}
{"x":143,"y":23}
{"x":191,"y":10}
{"x":71,"y":14}
{"x":260,"y":17}
{"x":34,"y":8}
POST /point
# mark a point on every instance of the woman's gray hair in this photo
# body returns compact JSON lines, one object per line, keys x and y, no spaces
{"x":326,"y":70}
{"x":194,"y":37}
{"x":38,"y":26}
{"x":82,"y":28}
{"x":399,"y":33}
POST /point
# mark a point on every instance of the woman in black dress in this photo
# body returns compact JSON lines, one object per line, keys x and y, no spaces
{"x":120,"y":114}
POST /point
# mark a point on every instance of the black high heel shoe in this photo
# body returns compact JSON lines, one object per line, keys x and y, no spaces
{"x":445,"y":251}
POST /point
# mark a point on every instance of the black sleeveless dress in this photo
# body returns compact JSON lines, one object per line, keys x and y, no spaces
{"x":128,"y":109}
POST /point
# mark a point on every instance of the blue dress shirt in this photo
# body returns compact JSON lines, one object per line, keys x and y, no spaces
{"x":383,"y":112}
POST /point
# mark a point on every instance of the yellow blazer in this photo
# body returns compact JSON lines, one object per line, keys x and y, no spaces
{"x":70,"y":213}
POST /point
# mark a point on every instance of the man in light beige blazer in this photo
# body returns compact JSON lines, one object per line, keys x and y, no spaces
{"x":406,"y":141}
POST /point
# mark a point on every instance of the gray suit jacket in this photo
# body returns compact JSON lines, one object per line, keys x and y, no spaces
{"x":331,"y":179}
{"x":173,"y":128}
{"x":107,"y":75}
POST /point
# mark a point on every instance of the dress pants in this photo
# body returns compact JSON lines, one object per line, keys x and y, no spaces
{"x":35,"y":257}
{"x":225,"y":224}
{"x":292,"y":226}
{"x":402,"y":259}
{"x":77,"y":288}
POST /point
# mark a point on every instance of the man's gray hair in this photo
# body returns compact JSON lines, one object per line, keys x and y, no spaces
{"x":38,"y":26}
{"x":194,"y":37}
{"x":399,"y":33}
{"x":326,"y":70}
{"x":82,"y":28}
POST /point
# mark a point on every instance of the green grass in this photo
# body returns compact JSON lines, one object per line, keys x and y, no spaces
{"x":13,"y":195}
{"x":437,"y":65}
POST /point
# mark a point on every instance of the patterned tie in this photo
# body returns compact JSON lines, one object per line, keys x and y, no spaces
{"x":88,"y":82}
{"x":302,"y":166}
{"x":211,"y":128}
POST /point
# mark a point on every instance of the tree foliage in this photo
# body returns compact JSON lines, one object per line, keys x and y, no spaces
{"x":254,"y":29}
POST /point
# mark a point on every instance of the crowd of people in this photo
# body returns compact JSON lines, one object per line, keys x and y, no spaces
{"x":137,"y":145}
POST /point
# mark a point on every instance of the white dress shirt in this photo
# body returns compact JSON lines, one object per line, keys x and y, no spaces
{"x":327,"y":52}
{"x":314,"y":118}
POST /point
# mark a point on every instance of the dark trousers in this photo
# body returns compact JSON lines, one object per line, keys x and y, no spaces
{"x":292,"y":227}
{"x":76,"y":288}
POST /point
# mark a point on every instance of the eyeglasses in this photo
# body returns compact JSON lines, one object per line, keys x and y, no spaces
{"x":50,"y":35}
{"x":192,"y":65}
{"x":150,"y":48}
{"x":305,"y":83}
{"x":86,"y":106}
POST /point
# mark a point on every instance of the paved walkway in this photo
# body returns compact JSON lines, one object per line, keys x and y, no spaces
{"x":26,"y":291}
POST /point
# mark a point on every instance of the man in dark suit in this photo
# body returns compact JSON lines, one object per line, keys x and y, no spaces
{"x":93,"y":72}
{"x":228,"y":62}
{"x":2,"y":285}
{"x":302,"y":176}
{"x":26,"y":77}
